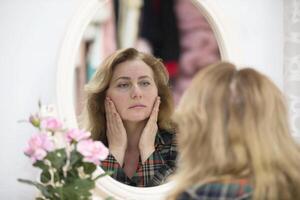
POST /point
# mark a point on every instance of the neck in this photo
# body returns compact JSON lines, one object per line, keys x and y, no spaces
{"x":134,"y":131}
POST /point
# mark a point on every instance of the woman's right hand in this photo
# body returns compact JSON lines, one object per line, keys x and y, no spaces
{"x":116,"y":133}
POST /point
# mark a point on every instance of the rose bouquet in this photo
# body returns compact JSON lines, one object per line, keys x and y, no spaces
{"x":67,"y":159}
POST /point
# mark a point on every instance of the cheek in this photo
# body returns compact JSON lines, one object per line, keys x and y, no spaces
{"x":151,"y":95}
{"x":117,"y":99}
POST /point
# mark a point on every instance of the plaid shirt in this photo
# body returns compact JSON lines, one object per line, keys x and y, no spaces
{"x":233,"y":190}
{"x":155,"y":170}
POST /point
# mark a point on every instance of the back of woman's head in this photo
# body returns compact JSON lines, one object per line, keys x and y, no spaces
{"x":93,"y":117}
{"x":232,"y":124}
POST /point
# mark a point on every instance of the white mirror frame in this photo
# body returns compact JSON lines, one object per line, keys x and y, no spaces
{"x":107,"y":186}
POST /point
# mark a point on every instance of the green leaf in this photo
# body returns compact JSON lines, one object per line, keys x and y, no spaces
{"x":39,"y":186}
{"x":57,"y":158}
{"x":75,"y":157}
{"x":89,"y":168}
{"x":73,"y":173}
{"x":45,"y":176}
{"x":58,"y":176}
{"x":40,"y":164}
{"x":79,"y":189}
{"x":55,"y":192}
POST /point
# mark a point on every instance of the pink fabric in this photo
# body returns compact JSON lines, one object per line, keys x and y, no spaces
{"x":199,"y":47}
{"x":109,"y":33}
{"x":189,"y":17}
{"x":191,"y":62}
{"x":199,"y":39}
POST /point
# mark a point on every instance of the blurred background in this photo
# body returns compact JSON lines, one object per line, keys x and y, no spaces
{"x":173,"y":30}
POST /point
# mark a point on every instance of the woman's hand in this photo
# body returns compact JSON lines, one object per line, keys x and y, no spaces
{"x":147,"y":140}
{"x":116,"y":133}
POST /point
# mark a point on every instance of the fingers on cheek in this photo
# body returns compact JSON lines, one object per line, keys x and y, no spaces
{"x":108,"y":127}
{"x":119,"y":119}
{"x":105,"y":106}
{"x":157,"y":107}
{"x":115,"y":113}
{"x":158,"y":103}
{"x":113,"y":108}
{"x":111,"y":104}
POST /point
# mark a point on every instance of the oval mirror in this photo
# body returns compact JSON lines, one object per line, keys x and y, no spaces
{"x":187,"y":36}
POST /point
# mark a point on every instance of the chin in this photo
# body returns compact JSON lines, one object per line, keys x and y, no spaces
{"x":137,"y":118}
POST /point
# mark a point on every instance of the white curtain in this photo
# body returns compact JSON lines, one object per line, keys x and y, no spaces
{"x":292,"y":62}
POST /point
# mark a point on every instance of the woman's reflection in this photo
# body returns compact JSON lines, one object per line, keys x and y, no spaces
{"x":128,"y":107}
{"x":173,"y":30}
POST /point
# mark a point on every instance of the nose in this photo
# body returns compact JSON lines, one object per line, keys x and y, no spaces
{"x":136,"y":92}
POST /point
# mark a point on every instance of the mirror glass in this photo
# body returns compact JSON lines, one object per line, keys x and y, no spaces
{"x":174,"y":31}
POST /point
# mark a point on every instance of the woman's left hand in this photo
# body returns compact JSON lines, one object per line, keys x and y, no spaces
{"x":147,"y":140}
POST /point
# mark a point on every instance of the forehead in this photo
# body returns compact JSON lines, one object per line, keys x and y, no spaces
{"x":132,"y":69}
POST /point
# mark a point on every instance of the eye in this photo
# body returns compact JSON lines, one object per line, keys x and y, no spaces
{"x":123,"y":85}
{"x":145,"y":83}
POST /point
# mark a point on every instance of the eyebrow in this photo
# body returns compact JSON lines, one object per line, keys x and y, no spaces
{"x":128,"y":78}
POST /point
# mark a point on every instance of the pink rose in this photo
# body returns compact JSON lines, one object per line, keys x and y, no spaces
{"x":51,"y":124}
{"x":92,"y":151}
{"x":38,"y":146}
{"x":77,"y":135}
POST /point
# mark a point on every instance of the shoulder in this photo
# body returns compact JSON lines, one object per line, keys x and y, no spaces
{"x":165,"y":136}
{"x":225,"y":191}
{"x":166,"y":145}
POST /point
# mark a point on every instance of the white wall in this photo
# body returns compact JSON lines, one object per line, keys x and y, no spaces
{"x":257,"y":30}
{"x":30,"y":38}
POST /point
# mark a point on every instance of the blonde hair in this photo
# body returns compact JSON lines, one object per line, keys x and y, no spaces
{"x":233,"y":124}
{"x":93,"y":117}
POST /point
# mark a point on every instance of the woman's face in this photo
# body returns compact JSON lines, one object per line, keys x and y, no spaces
{"x":133,"y":90}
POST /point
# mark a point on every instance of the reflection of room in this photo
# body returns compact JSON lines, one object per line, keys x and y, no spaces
{"x":173,"y":30}
{"x":198,"y":46}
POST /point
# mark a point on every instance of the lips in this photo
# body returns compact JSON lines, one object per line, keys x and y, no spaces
{"x":137,"y":106}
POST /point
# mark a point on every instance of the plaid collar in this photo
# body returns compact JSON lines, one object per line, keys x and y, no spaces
{"x":159,"y":165}
{"x":159,"y":140}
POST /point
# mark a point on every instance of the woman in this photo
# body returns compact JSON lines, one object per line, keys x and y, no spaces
{"x":234,"y":139}
{"x":128,"y":107}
